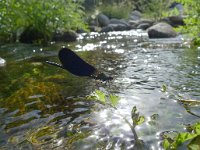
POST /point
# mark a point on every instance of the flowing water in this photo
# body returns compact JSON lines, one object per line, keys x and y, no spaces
{"x":44,"y":107}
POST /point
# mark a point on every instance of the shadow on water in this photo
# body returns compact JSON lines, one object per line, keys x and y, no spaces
{"x":44,"y":107}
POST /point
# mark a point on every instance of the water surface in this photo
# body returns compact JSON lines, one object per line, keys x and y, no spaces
{"x":42,"y":106}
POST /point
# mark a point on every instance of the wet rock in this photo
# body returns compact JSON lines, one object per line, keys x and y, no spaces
{"x":177,"y":6}
{"x":174,"y":21}
{"x":161,"y":30}
{"x":120,"y":27}
{"x":30,"y":35}
{"x":81,"y":31}
{"x":103,"y":20}
{"x":133,"y":23}
{"x":150,"y":22}
{"x":2,"y":62}
{"x":135,"y":15}
{"x":115,"y":27}
{"x":68,"y":36}
{"x":94,"y":28}
{"x":118,"y":21}
{"x":143,"y":26}
{"x":107,"y":29}
{"x":93,"y":22}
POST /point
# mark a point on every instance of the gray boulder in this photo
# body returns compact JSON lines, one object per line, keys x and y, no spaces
{"x":93,"y":22}
{"x":143,"y":26}
{"x":120,"y":27}
{"x":174,"y":21}
{"x":93,"y":28}
{"x":67,"y":36}
{"x":177,"y":6}
{"x":115,"y":27}
{"x":161,"y":30}
{"x":134,"y":23}
{"x":107,"y":29}
{"x":150,"y":22}
{"x":117,"y":21}
{"x":103,"y":20}
{"x":31,"y":34}
{"x":135,"y":15}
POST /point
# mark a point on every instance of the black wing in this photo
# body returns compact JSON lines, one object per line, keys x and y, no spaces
{"x":74,"y":64}
{"x":77,"y":66}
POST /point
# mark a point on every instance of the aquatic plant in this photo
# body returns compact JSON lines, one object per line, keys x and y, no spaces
{"x":173,"y":140}
{"x":34,"y":136}
{"x":30,"y":84}
{"x":32,"y":91}
{"x":187,"y":103}
{"x":191,"y":139}
{"x":112,"y":100}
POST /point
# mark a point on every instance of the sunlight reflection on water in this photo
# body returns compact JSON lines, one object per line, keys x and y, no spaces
{"x":140,"y":68}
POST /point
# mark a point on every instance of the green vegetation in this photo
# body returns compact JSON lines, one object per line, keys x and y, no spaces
{"x":48,"y":92}
{"x":157,"y":9}
{"x":41,"y":17}
{"x":154,"y":9}
{"x":111,"y":101}
{"x":191,"y":139}
{"x":118,"y":11}
{"x":192,"y":20}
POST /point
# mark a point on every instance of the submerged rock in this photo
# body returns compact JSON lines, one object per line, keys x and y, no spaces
{"x":161,"y":30}
{"x":2,"y":62}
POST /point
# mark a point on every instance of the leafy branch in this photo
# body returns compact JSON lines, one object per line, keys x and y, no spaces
{"x":193,"y":137}
{"x":112,"y":100}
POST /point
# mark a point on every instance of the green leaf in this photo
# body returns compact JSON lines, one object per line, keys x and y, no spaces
{"x":164,"y":88}
{"x":194,"y":144}
{"x":171,"y":142}
{"x":114,"y":100}
{"x":136,"y":118}
{"x":166,"y":144}
{"x":182,"y":137}
{"x":154,"y":117}
{"x":140,"y":120}
{"x":100,"y":96}
{"x":36,"y":71}
{"x":197,"y":128}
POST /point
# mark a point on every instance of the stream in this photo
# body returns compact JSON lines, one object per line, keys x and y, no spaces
{"x":45,"y":107}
